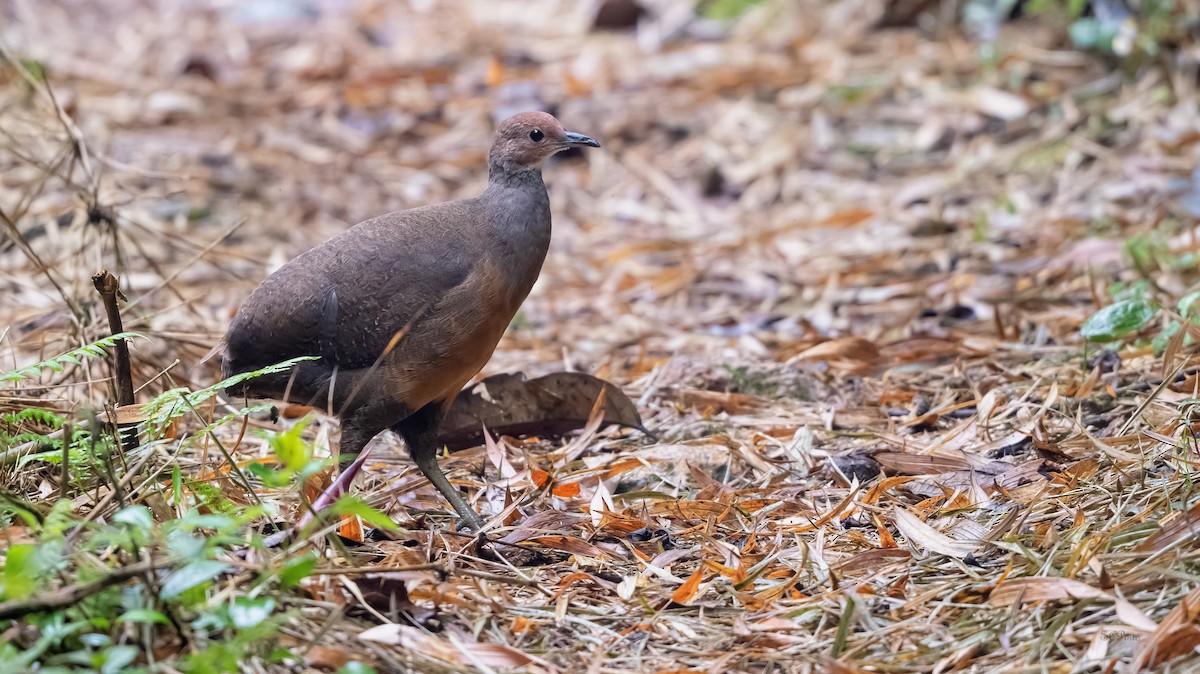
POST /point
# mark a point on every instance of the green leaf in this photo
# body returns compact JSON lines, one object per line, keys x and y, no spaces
{"x":56,"y":363}
{"x":246,"y":613}
{"x":178,"y":401}
{"x":20,"y":572}
{"x":356,"y":668}
{"x":1118,"y":319}
{"x":117,"y":658}
{"x":184,"y":545}
{"x":194,"y":519}
{"x":36,"y":70}
{"x":290,"y":448}
{"x":352,"y":505}
{"x":143,"y":615}
{"x":1163,"y":338}
{"x":137,"y":516}
{"x":191,"y":576}
{"x":297,"y":569}
{"x":1188,"y":307}
{"x":269,"y":476}
{"x":724,"y":10}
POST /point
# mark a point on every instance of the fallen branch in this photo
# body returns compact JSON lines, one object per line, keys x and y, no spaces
{"x":72,"y":594}
{"x":110,"y":291}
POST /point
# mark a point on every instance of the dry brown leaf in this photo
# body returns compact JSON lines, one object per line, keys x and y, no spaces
{"x":454,"y":651}
{"x":848,"y":217}
{"x":689,"y":510}
{"x":873,"y":559}
{"x":920,"y":533}
{"x":1175,"y":635}
{"x":849,"y":353}
{"x":920,"y":464}
{"x":568,"y":544}
{"x":327,"y":657}
{"x":716,"y":402}
{"x":1024,"y":590}
{"x":1181,"y":526}
{"x":509,"y":404}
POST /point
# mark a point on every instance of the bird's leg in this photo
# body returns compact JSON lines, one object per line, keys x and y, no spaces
{"x":420,"y":434}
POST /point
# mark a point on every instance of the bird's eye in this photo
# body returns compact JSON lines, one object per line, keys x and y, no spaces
{"x":536,"y":135}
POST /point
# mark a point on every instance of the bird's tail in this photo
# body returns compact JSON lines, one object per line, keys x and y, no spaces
{"x":218,"y":349}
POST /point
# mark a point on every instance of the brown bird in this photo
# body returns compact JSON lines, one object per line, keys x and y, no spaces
{"x":404,"y":309}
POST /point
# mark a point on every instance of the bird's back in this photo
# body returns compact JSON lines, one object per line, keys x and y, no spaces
{"x":415,"y":299}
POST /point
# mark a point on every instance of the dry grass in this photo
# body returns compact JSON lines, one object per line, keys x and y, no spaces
{"x":809,"y":250}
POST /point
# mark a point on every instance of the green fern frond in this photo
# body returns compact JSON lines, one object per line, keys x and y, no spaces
{"x":176,"y":402}
{"x":73,"y":357}
{"x":34,"y":415}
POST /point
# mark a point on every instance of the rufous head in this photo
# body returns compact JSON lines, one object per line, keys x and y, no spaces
{"x":525,"y":140}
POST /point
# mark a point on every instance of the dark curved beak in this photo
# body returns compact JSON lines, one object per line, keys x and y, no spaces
{"x":578,"y":139}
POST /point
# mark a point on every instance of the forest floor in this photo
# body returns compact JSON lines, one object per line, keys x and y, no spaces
{"x":841,"y":270}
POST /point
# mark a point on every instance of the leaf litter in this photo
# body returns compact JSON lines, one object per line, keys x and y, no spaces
{"x":841,"y":271}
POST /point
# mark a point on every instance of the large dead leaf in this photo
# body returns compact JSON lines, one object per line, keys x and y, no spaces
{"x":929,"y":538}
{"x":568,"y":544}
{"x":1174,"y":529}
{"x":1176,"y":634}
{"x":548,"y":406}
{"x":1023,"y":590}
{"x":848,"y":353}
{"x":455,"y":651}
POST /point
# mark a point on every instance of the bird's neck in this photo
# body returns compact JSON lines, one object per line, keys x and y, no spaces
{"x":503,"y":174}
{"x":520,"y":202}
{"x":519,"y":220}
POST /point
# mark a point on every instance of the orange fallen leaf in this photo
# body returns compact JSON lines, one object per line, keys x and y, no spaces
{"x":329,"y":658}
{"x":295,"y":411}
{"x":316,"y":484}
{"x":848,"y":217}
{"x":574,"y":546}
{"x":568,"y":490}
{"x":686,"y":592}
{"x":351,"y":528}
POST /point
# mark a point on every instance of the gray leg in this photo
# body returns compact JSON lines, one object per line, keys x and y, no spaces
{"x":420,"y":434}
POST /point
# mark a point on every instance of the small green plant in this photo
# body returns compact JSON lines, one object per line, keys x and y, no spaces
{"x":115,"y":593}
{"x":745,"y":381}
{"x":1129,"y":31}
{"x":74,"y":357}
{"x":174,"y":403}
{"x":725,"y":10}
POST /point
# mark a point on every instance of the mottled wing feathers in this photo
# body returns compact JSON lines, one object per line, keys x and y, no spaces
{"x":346,"y":299}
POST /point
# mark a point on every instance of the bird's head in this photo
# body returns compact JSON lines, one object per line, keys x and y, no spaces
{"x":526,"y":140}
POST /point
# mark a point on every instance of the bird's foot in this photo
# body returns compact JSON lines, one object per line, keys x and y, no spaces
{"x":470,"y":521}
